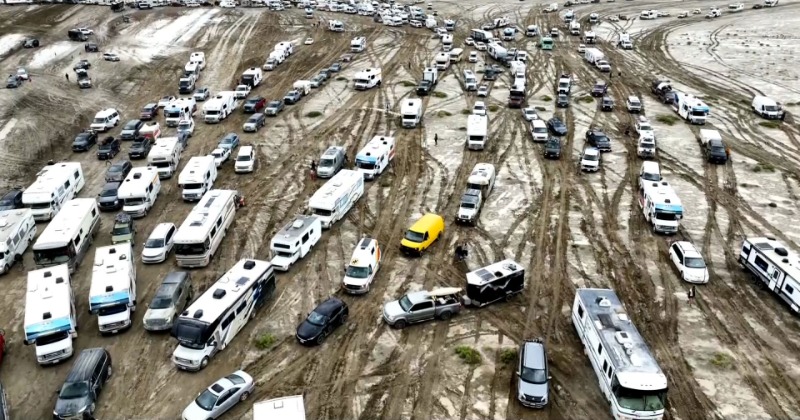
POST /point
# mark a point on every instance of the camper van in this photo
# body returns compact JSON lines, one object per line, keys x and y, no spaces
{"x":358,"y":44}
{"x":251,"y":77}
{"x":55,"y":185}
{"x":201,"y":233}
{"x":625,"y":41}
{"x":219,"y":107}
{"x":336,"y":26}
{"x":456,"y":55}
{"x":192,"y":69}
{"x":447,"y":42}
{"x":376,"y":156}
{"x":477,"y":131}
{"x":411,"y":112}
{"x":50,"y":318}
{"x":294,"y":241}
{"x":17,"y":230}
{"x":690,"y":108}
{"x":139,"y":191}
{"x":331,"y":161}
{"x":767,"y":108}
{"x":498,"y":281}
{"x":470,"y":81}
{"x":331,"y":202}
{"x":367,"y":79}
{"x":112,"y":294}
{"x":482,"y":178}
{"x":179,"y":109}
{"x":69,"y":235}
{"x":212,"y":321}
{"x":199,"y":58}
{"x":661,"y":206}
{"x":362,"y":268}
{"x":772,"y":266}
{"x":165,"y":156}
{"x":627,"y":372}
{"x":197,"y":177}
{"x":441,"y":61}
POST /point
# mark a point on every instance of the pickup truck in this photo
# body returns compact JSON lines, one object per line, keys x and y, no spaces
{"x":423,"y":306}
{"x":470,"y":208}
{"x":662,"y":89}
{"x":424,"y":87}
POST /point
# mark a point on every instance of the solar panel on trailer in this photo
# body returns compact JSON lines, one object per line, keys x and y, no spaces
{"x":764,"y":246}
{"x":605,"y":319}
{"x":485,"y":275}
{"x":242,"y":281}
{"x":209,"y":202}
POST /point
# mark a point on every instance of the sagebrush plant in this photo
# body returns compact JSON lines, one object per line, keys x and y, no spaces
{"x":265,"y":341}
{"x":469,"y":355}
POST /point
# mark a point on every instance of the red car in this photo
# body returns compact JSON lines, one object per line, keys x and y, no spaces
{"x":254,"y":104}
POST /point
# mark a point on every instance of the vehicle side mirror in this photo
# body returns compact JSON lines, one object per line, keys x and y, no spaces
{"x":518,"y":373}
{"x":213,"y":343}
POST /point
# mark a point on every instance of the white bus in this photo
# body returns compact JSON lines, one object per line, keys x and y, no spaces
{"x":50,"y":320}
{"x":17,"y":229}
{"x":112,"y":294}
{"x":67,"y":238}
{"x":629,"y":375}
{"x":201,"y":233}
{"x":55,"y":185}
{"x":213,"y":320}
{"x":337,"y":196}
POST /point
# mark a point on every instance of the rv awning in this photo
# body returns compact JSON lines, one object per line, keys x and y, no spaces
{"x":669,"y":208}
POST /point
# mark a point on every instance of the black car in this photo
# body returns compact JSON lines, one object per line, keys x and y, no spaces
{"x":78,"y":396}
{"x":557,"y":127}
{"x":91,"y":47}
{"x":109,"y":148}
{"x":11,"y":200}
{"x":715,"y":151}
{"x":131,"y":129}
{"x":254,"y":104}
{"x":490,"y":74}
{"x":326,"y":73}
{"x":562,"y":101}
{"x":600,"y":88}
{"x":82,"y":65}
{"x":183,"y":139}
{"x":118,"y":171}
{"x":30,"y":43}
{"x":107,"y":199}
{"x":424,"y":87}
{"x":321,"y":321}
{"x":552,"y":148}
{"x":84,"y":141}
{"x":599,"y":140}
{"x":140,"y":148}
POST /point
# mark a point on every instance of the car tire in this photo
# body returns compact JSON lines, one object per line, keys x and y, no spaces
{"x":344,"y":317}
{"x":204,"y":362}
{"x":244,"y":396}
{"x":445,"y":315}
{"x":400,"y":324}
{"x":321,"y":338}
{"x":109,"y":372}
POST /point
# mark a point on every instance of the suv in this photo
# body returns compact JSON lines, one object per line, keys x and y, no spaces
{"x":149,"y":111}
{"x":598,"y":139}
{"x":84,"y":141}
{"x":533,"y":374}
{"x":562,"y":101}
{"x":253,"y":123}
{"x":688,"y":262}
{"x":108,"y":199}
{"x":171,"y":298}
{"x":552,"y":149}
{"x":11,"y":200}
{"x":607,"y":104}
{"x":715,"y":152}
{"x":600,"y":88}
{"x":590,"y":160}
{"x":88,"y":376}
{"x":131,"y":129}
{"x":123,"y":229}
{"x":292,"y":97}
{"x":109,"y":148}
{"x":274,"y":108}
{"x":140,"y":148}
{"x":118,"y":171}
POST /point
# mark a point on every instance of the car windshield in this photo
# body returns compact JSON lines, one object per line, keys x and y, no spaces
{"x":357,"y":272}
{"x":326,"y":162}
{"x":206,"y":400}
{"x":130,"y":125}
{"x":405,"y":303}
{"x":590,"y":157}
{"x":216,"y":153}
{"x":414,"y":236}
{"x":6,"y":202}
{"x":539,"y":129}
{"x":243,"y":158}
{"x":275,"y":104}
{"x":317,"y":319}
{"x":154,"y":243}
{"x":252,"y":101}
{"x":135,"y":201}
{"x":637,"y":400}
{"x":121,"y":230}
{"x":283,"y":254}
{"x":533,"y":376}
{"x":113,"y":310}
{"x":74,"y":390}
{"x":161,"y":303}
{"x":108,"y":193}
{"x":228,"y":140}
{"x":114,"y":169}
{"x":552,"y":144}
{"x":99,"y":120}
{"x":694,"y":262}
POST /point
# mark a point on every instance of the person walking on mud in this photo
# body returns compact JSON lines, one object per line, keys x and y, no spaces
{"x":436,"y":139}
{"x":692,"y":293}
{"x":313,"y":172}
{"x":67,"y":76}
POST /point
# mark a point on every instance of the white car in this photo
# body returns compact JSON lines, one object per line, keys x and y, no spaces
{"x":483,"y":91}
{"x":220,"y":156}
{"x":159,"y":244}
{"x":479,"y":108}
{"x":241,"y":91}
{"x":469,"y":41}
{"x":186,"y":126}
{"x":22,"y":73}
{"x":581,"y":48}
{"x":165,"y":100}
{"x":696,"y":11}
{"x":220,"y":397}
{"x":473,"y":57}
{"x":309,"y":41}
{"x":590,"y":160}
{"x":529,"y":114}
{"x":663,"y":14}
{"x":613,"y":19}
{"x":110,"y":57}
{"x":688,"y":261}
{"x":86,"y":31}
{"x":227,"y":4}
{"x":480,"y":46}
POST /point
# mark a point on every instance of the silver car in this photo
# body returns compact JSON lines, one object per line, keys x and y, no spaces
{"x":220,"y":397}
{"x":172,"y":297}
{"x":533,"y":385}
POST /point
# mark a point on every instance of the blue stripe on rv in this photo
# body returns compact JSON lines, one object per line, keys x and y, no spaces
{"x":48,"y":327}
{"x":669,"y":208}
{"x":109,"y":299}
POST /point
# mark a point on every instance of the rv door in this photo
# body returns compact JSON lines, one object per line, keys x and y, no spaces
{"x":774,"y":276}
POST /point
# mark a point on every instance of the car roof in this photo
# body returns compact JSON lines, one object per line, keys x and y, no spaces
{"x":328,"y":306}
{"x":591,"y":151}
{"x":533,"y":355}
{"x":688,"y":248}
{"x":111,"y":185}
{"x":161,"y":230}
{"x":119,"y":163}
{"x":256,"y":116}
{"x":175,"y":277}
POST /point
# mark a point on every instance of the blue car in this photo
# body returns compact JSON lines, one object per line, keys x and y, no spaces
{"x":230,"y":141}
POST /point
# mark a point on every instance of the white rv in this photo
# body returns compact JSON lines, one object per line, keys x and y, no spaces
{"x":690,"y":108}
{"x":17,"y":229}
{"x":456,"y":55}
{"x":50,"y":319}
{"x":197,"y":177}
{"x":358,"y":44}
{"x":447,"y":42}
{"x":470,"y":81}
{"x":411,"y":112}
{"x":773,"y":266}
{"x":625,"y":41}
{"x":67,"y":238}
{"x":331,"y":202}
{"x":287,"y":47}
{"x":497,"y":51}
{"x":336,"y":25}
{"x":201,"y":234}
{"x":593,"y":56}
{"x":376,"y":156}
{"x":482,"y":178}
{"x":363,"y":267}
{"x":661,"y":206}
{"x":628,"y":374}
{"x":251,"y":77}
{"x":294,"y":241}
{"x":191,"y":69}
{"x":55,"y":185}
{"x":442,"y":61}
{"x":219,"y":107}
{"x":211,"y":323}
{"x":178,"y":110}
{"x":112,"y":294}
{"x":139,"y":191}
{"x":367,"y":79}
{"x":575,"y":28}
{"x":165,"y":156}
{"x":199,"y":58}
{"x":477,"y":131}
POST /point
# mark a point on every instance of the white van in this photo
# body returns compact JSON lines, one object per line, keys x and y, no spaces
{"x":199,"y":58}
{"x":197,"y":177}
{"x":411,"y":112}
{"x":112,"y":294}
{"x":294,"y":241}
{"x":363,"y":267}
{"x":539,"y":131}
{"x":139,"y":191}
{"x":245,"y":160}
{"x":105,"y":120}
{"x":470,"y":81}
{"x":650,"y":172}
{"x":336,"y":197}
{"x":358,"y":44}
{"x":376,"y":156}
{"x":17,"y":229}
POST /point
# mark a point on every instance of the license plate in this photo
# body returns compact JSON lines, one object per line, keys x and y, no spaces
{"x":114,"y":331}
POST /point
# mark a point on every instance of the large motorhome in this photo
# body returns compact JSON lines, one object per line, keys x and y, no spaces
{"x":67,"y":238}
{"x":165,"y":156}
{"x":201,"y":233}
{"x":17,"y":230}
{"x":411,"y":112}
{"x":197,"y":177}
{"x":112,"y":294}
{"x":494,"y":282}
{"x":376,"y":156}
{"x":367,"y":79}
{"x":690,"y":108}
{"x":211,"y":323}
{"x":294,"y":241}
{"x":628,"y":374}
{"x":661,"y":206}
{"x":336,"y":197}
{"x":482,"y":178}
{"x":336,"y":26}
{"x":139,"y":191}
{"x":442,"y":61}
{"x":50,"y":319}
{"x":219,"y":107}
{"x":178,"y":110}
{"x":477,"y":131}
{"x":358,"y":44}
{"x":55,"y":185}
{"x":775,"y":267}
{"x":479,"y":35}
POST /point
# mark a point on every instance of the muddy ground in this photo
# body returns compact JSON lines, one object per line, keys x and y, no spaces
{"x":568,"y":229}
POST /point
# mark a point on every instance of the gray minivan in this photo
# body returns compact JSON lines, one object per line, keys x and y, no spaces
{"x":533,"y":374}
{"x":171,"y":298}
{"x":331,"y":162}
{"x":88,"y":376}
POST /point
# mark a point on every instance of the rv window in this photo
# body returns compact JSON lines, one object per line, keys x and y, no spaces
{"x":77,"y":175}
{"x":241,"y":307}
{"x":580,"y":310}
{"x":228,"y":321}
{"x":214,"y":232}
{"x":66,"y":184}
{"x":305,"y":238}
{"x":776,"y":274}
{"x":605,"y":365}
{"x":600,"y":349}
{"x":77,"y":240}
{"x":10,"y":242}
{"x":219,"y":222}
{"x":94,"y":212}
{"x":789,"y":289}
{"x":19,"y":237}
{"x":610,"y":372}
{"x":763,"y":265}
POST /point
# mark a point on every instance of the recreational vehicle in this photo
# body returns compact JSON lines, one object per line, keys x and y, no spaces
{"x":480,"y":35}
{"x":219,"y":107}
{"x":441,"y":61}
{"x":178,"y":110}
{"x":211,"y":323}
{"x":50,"y":319}
{"x":690,"y":108}
{"x":367,"y":79}
{"x":376,"y":156}
{"x":201,"y":234}
{"x":363,"y":267}
{"x":17,"y":230}
{"x":494,"y":282}
{"x":447,"y":42}
{"x":477,"y":131}
{"x":358,"y":44}
{"x":336,"y":26}
{"x":773,"y":266}
{"x":482,"y":178}
{"x":165,"y":156}
{"x":456,"y":55}
{"x":69,"y":235}
{"x":55,"y":185}
{"x":139,"y":191}
{"x":470,"y":81}
{"x":336,"y":197}
{"x":197,"y":177}
{"x":251,"y":77}
{"x":411,"y":112}
{"x":294,"y":241}
{"x":112,"y":294}
{"x":628,"y":374}
{"x":661,"y":206}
